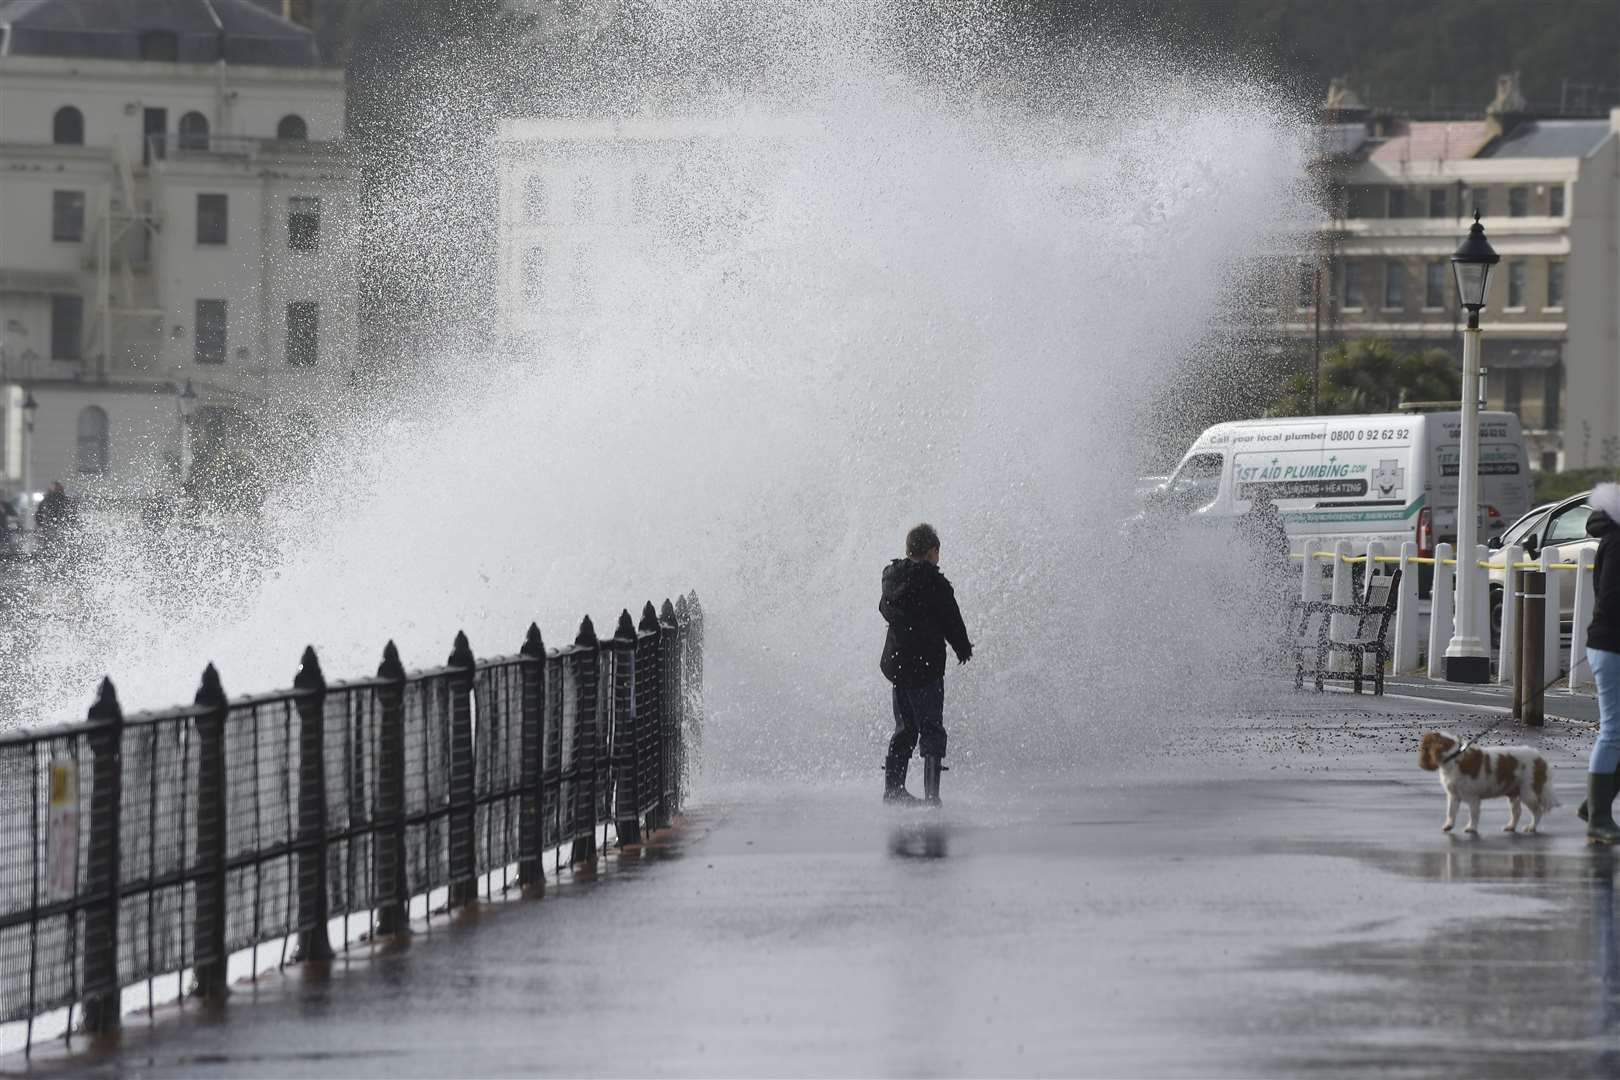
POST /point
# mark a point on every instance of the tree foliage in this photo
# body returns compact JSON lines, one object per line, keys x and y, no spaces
{"x":1373,"y":377}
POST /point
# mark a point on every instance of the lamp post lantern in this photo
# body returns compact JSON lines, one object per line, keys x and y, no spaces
{"x":1468,"y":660}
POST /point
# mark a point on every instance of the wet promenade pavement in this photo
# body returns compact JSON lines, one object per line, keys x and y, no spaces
{"x":1271,"y":897}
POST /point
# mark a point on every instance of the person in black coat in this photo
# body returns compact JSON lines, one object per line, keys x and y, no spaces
{"x":919,"y":606}
{"x":1603,"y":657}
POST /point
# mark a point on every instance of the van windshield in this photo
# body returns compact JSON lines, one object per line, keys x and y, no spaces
{"x":1198,"y":480}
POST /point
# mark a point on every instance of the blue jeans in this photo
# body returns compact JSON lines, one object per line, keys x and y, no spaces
{"x":919,"y":713}
{"x":1606,"y":673}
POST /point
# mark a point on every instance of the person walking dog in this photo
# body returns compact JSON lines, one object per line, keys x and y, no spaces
{"x":919,"y":606}
{"x":1603,"y":656}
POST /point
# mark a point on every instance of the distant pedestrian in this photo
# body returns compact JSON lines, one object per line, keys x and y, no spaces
{"x":1603,"y":657}
{"x":1270,"y":564}
{"x":54,"y":516}
{"x":920,"y":607}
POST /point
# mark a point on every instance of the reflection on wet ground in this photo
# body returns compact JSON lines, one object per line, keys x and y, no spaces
{"x":1291,"y":916}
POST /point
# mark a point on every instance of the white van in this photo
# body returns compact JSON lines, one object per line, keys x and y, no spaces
{"x":1391,"y":478}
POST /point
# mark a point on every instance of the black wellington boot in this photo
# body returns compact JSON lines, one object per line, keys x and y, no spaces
{"x":932,"y":767}
{"x":1600,"y":828}
{"x":1581,"y":811}
{"x":894,"y":781}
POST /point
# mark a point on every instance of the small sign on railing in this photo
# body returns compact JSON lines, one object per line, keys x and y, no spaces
{"x":62,"y":834}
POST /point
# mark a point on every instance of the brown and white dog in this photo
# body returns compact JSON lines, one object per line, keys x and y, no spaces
{"x":1516,"y":773}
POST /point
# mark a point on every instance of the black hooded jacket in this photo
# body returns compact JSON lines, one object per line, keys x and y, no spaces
{"x":920,"y":607}
{"x":1603,"y":632}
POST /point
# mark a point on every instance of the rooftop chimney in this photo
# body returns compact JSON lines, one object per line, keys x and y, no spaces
{"x":1504,"y":113}
{"x":1342,"y":105}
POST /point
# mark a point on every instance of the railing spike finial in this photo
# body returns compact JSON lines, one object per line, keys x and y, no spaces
{"x":532,"y":643}
{"x":461,"y":655}
{"x":682,"y":608}
{"x":310,"y":676}
{"x":626,"y":630}
{"x":587,"y":633}
{"x":390,"y":668}
{"x":649,"y":618}
{"x":211,"y":692}
{"x":667,"y":612}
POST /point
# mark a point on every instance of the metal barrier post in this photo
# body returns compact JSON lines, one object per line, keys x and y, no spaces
{"x":1580,"y":672}
{"x":211,"y":978}
{"x":1528,"y":694}
{"x":1374,"y":568}
{"x":393,"y":908}
{"x":662,"y":649}
{"x":1440,"y":599}
{"x":587,"y":666}
{"x":1507,"y":657}
{"x":463,"y":823}
{"x":313,"y":899}
{"x":1552,"y":623}
{"x":531,"y":845}
{"x":101,"y":986}
{"x":670,"y":659}
{"x":626,"y":815}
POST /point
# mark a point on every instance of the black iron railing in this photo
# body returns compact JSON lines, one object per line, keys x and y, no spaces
{"x":135,"y":849}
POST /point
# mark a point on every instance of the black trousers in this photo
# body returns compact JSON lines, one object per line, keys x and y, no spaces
{"x":919,"y":714}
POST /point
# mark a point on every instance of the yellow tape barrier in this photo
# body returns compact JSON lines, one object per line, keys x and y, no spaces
{"x":1425,"y":561}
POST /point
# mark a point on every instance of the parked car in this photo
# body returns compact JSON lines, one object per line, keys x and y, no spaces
{"x":1560,"y":530}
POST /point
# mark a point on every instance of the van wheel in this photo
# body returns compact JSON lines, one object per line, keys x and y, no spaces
{"x":1496,"y":616}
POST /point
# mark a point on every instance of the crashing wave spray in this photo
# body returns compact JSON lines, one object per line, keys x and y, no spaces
{"x":945,"y":287}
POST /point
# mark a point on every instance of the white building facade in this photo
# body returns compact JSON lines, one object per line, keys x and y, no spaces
{"x":1403,"y":194}
{"x":177,"y":208}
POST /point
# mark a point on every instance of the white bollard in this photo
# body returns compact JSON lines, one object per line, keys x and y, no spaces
{"x":1375,"y":551}
{"x":1552,"y":631}
{"x":1342,"y":627}
{"x":1507,"y":657}
{"x":1580,"y":672}
{"x":1406,"y":612}
{"x":1309,"y":587}
{"x":1440,"y":612}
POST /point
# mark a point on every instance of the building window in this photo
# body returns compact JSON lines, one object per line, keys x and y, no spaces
{"x":193,"y":131}
{"x":1516,"y":279}
{"x":584,"y":198}
{"x":210,"y":348}
{"x":160,"y":45}
{"x":1362,"y":202}
{"x":1437,"y":202}
{"x":1555,"y":200}
{"x":291,"y":128}
{"x":1352,"y":286}
{"x":67,"y":127}
{"x":1549,"y":461}
{"x":303,"y":332}
{"x":213,"y":214}
{"x":67,"y":324}
{"x":304,"y":222}
{"x":92,"y":441}
{"x":1518,"y":202}
{"x":1552,"y":390}
{"x":1513,"y":390}
{"x":67,"y":216}
{"x":1482,"y":201}
{"x":1394,"y":285}
{"x":534,"y":198}
{"x":534,"y":270}
{"x":1306,"y":299}
{"x":1434,"y":285}
{"x":1397,"y":202}
{"x":1555,"y":285}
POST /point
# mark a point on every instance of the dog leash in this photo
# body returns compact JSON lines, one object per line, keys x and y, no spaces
{"x":1466,"y":743}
